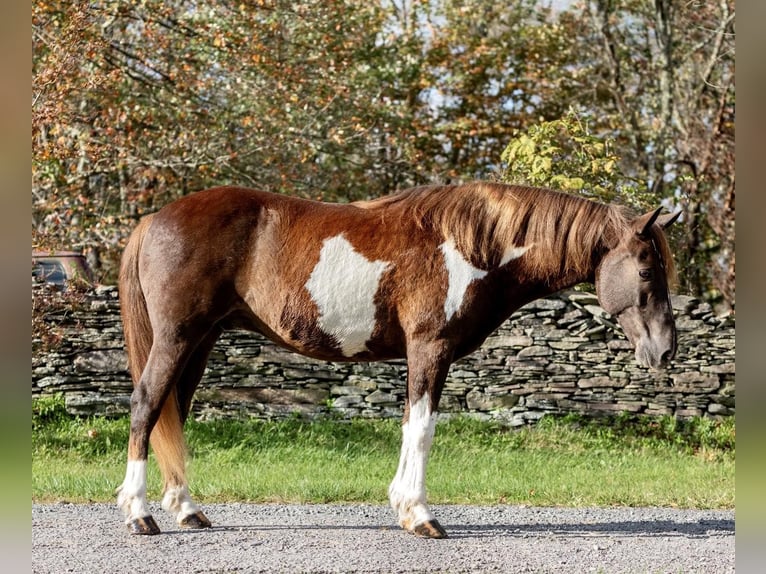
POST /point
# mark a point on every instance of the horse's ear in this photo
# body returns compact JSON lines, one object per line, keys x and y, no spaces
{"x":668,"y":219}
{"x":645,"y":222}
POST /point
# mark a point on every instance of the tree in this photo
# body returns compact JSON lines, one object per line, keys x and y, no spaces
{"x":564,"y":154}
{"x":657,"y":81}
{"x":478,"y":71}
{"x":664,"y":77}
{"x":136,"y":103}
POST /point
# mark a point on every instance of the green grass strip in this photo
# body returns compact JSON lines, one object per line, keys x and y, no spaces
{"x":563,"y":461}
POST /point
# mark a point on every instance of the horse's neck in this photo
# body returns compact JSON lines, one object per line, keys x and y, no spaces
{"x":570,"y":279}
{"x":558,"y":275}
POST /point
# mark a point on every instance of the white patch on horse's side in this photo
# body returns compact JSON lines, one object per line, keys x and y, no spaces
{"x":132,"y":493}
{"x":460,"y":275}
{"x":512,"y":253}
{"x":343,"y":286}
{"x":178,"y":501}
{"x":407,"y":492}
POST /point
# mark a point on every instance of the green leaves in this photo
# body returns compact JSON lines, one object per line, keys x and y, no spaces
{"x":564,"y":154}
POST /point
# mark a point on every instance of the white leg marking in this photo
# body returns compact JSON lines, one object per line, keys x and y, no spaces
{"x":407,"y":492}
{"x":513,"y":253}
{"x":178,"y":501}
{"x":343,"y":286}
{"x":461,"y":275}
{"x":132,"y":495}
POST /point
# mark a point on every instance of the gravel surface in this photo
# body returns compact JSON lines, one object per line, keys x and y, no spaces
{"x":362,"y":538}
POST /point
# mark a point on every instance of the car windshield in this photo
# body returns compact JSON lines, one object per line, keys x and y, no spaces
{"x":51,"y":272}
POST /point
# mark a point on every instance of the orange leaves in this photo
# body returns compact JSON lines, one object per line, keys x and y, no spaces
{"x":331,"y":98}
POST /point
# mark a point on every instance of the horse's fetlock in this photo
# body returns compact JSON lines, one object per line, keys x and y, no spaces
{"x":170,"y":502}
{"x":178,"y":502}
{"x":123,"y":501}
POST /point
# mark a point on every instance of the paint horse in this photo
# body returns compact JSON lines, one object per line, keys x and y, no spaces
{"x":425,"y":274}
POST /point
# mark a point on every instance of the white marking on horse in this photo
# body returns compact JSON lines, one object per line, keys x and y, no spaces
{"x":512,"y":253}
{"x":461,"y":275}
{"x":132,"y":496}
{"x":343,"y":286}
{"x":178,"y":501}
{"x":407,"y":493}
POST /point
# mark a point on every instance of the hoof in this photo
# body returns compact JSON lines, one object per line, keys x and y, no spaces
{"x":430,"y":529}
{"x":145,"y":525}
{"x":196,"y":520}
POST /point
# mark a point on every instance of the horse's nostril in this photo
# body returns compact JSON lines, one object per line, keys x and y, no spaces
{"x":666,"y":356}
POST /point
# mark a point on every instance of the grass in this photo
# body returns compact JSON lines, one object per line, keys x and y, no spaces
{"x":564,"y":461}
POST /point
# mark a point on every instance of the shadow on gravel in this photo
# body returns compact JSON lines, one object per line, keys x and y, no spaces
{"x":700,"y":529}
{"x":274,"y":528}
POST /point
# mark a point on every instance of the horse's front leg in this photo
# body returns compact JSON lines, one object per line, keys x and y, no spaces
{"x":407,"y":492}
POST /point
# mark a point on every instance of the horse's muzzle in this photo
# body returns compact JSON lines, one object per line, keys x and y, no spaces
{"x":655,"y":359}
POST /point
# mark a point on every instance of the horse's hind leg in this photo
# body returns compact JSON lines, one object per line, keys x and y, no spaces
{"x":154,"y":405}
{"x":176,"y":498}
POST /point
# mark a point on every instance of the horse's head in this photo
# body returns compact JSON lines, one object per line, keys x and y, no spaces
{"x":632,"y":285}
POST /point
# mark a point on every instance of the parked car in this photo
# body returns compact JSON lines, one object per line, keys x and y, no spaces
{"x":60,"y":268}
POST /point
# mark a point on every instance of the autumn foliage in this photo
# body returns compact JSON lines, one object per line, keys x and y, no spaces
{"x":138,"y":103}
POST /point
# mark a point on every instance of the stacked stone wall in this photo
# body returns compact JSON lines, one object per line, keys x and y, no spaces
{"x":556,"y":355}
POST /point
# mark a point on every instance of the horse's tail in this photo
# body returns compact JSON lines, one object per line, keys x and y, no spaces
{"x":166,"y":438}
{"x":135,"y":318}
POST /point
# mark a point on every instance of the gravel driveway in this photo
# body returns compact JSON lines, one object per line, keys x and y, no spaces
{"x":361,"y":538}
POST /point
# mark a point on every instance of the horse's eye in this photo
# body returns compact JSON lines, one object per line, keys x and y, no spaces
{"x":645,"y":274}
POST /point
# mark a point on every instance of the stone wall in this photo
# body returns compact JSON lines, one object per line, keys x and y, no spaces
{"x":560,"y":354}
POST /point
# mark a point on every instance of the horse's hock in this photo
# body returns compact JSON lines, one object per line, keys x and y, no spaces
{"x":560,"y":354}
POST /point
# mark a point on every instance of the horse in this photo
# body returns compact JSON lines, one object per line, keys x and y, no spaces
{"x":425,"y":274}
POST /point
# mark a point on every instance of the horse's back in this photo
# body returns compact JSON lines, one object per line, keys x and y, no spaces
{"x":270,"y":263}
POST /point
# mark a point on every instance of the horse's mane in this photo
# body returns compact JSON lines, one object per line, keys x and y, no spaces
{"x":485,"y":219}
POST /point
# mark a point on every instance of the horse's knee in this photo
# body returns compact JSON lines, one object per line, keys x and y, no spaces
{"x":145,"y":411}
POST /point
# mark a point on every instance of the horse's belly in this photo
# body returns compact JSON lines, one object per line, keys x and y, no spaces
{"x":341,"y":342}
